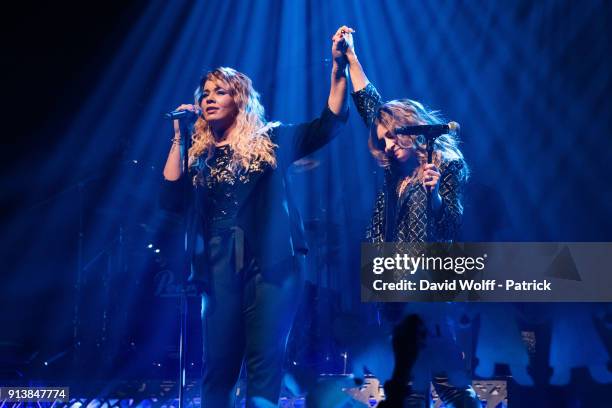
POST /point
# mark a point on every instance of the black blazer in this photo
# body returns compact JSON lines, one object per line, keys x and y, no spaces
{"x":270,"y":222}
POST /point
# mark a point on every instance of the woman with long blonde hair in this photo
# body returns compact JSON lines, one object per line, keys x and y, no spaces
{"x":245,"y":235}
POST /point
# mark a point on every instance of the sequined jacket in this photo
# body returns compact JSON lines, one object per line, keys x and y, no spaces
{"x":406,"y":218}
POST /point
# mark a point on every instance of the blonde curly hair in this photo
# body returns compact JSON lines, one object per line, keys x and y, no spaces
{"x":406,"y":112}
{"x":250,"y":140}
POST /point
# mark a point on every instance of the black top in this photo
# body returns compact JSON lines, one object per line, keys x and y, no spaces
{"x":224,"y":188}
{"x":261,"y":205}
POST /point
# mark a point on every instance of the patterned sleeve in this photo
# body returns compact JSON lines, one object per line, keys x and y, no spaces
{"x":376,"y":229}
{"x":367,"y":100}
{"x":448,"y":221}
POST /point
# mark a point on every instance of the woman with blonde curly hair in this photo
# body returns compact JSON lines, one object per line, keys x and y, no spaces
{"x":245,"y":235}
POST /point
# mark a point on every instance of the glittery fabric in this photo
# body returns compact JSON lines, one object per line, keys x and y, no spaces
{"x":224,"y":188}
{"x":413,"y":221}
{"x":367,"y":101}
{"x":404,"y":217}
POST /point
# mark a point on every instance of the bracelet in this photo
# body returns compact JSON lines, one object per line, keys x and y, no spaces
{"x":177,"y":140}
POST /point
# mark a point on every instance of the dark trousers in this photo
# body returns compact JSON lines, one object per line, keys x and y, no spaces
{"x":247,"y":315}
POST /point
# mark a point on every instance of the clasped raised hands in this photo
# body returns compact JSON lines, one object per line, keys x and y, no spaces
{"x":342,"y":43}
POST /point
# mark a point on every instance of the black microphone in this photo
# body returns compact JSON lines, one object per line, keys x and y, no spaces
{"x":428,"y":130}
{"x":182,"y":114}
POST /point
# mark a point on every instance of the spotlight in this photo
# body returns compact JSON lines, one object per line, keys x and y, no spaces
{"x":157,"y":251}
{"x":150,"y":246}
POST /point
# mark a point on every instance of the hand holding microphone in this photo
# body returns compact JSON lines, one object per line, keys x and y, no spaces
{"x":431,"y":174}
{"x":183,"y":112}
{"x":431,"y":178}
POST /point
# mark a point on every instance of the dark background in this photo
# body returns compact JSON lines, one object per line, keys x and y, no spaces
{"x":530,"y":84}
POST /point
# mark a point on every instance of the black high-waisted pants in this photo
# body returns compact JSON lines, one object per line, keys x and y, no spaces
{"x":247,"y":314}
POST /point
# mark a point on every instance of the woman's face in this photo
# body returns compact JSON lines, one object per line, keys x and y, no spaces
{"x":393,"y":149}
{"x":218,"y":106}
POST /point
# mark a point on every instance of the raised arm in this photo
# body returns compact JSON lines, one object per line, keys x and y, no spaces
{"x":366,"y":97}
{"x":359,"y":80}
{"x":339,"y":82}
{"x":174,"y":163}
{"x":297,"y":141}
{"x":172,"y":193}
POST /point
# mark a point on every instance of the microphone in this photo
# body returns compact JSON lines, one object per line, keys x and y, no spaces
{"x":428,"y":130}
{"x":182,"y":114}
